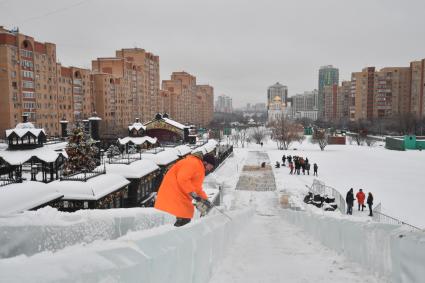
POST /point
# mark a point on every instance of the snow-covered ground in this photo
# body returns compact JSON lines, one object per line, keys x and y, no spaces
{"x":395,"y":178}
{"x":268,"y":248}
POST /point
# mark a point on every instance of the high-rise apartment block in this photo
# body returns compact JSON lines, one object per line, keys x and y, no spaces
{"x":28,"y":81}
{"x":185,"y":101}
{"x":328,"y":76}
{"x":224,"y":104}
{"x":305,"y":105}
{"x":417,"y":100}
{"x":277,"y":90}
{"x":380,"y":94}
{"x":120,"y":89}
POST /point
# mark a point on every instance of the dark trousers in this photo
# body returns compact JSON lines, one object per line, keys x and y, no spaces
{"x":315,"y":173}
{"x":181,"y":221}
{"x":362,"y":206}
{"x":370,"y":209}
{"x":349,"y":208}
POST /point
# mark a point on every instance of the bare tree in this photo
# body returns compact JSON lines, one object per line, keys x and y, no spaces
{"x":243,"y":136}
{"x":320,"y":137}
{"x":258,"y":134}
{"x":285,"y":132}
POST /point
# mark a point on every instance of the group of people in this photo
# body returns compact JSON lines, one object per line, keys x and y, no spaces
{"x":298,"y":164}
{"x":360,"y":196}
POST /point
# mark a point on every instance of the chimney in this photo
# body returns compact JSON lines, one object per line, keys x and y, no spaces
{"x":94,"y":122}
{"x":64,"y":128}
{"x":25,"y":118}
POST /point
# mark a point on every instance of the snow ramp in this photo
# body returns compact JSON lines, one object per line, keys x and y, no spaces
{"x":163,"y":254}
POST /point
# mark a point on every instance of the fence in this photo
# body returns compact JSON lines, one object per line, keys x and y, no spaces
{"x":319,"y":187}
{"x":380,"y":217}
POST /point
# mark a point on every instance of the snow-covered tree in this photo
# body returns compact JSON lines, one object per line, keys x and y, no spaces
{"x":81,"y":153}
{"x":113,"y":150}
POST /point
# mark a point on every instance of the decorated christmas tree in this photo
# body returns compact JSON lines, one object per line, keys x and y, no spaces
{"x":81,"y":153}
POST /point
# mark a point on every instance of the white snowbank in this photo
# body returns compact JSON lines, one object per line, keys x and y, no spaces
{"x":391,"y":251}
{"x":50,"y":230}
{"x":94,"y":189}
{"x":15,"y":198}
{"x":134,"y":170}
{"x":162,"y":158}
{"x":164,"y":254}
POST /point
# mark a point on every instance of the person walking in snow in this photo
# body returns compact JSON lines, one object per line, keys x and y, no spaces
{"x":283,"y":160}
{"x":289,"y":158}
{"x":291,"y":167}
{"x":360,"y":196}
{"x":370,"y":203}
{"x":307,"y":168}
{"x":315,"y":167}
{"x":349,"y":199}
{"x":181,"y":184}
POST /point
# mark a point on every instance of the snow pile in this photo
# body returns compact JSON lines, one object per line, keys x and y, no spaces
{"x":389,"y":250}
{"x":163,"y":254}
{"x":49,"y":230}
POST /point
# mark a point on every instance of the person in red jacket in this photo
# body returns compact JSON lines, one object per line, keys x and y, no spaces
{"x":181,"y":184}
{"x":360,"y":199}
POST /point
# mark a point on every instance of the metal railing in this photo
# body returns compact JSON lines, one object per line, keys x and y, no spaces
{"x":319,"y":187}
{"x":380,"y":217}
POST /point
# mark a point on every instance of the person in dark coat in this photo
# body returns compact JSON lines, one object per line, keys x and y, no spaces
{"x":277,"y":165}
{"x":289,"y":158}
{"x":315,"y":167}
{"x":307,"y":168}
{"x":349,"y":199}
{"x":283,"y":160}
{"x":370,"y":203}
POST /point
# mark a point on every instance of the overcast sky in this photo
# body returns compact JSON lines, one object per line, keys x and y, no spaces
{"x":240,"y":47}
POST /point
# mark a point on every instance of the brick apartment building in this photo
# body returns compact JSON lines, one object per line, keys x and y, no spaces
{"x":185,"y":101}
{"x":120,"y":89}
{"x":28,"y":81}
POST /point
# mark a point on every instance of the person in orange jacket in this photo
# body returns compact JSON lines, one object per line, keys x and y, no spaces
{"x":181,"y":184}
{"x":360,"y":199}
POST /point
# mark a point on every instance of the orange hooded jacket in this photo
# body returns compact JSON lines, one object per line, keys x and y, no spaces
{"x":184,"y":177}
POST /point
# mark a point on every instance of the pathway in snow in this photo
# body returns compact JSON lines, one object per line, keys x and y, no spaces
{"x":254,"y":177}
{"x":271,"y":250}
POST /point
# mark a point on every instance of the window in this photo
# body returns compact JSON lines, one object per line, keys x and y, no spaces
{"x":28,"y":94}
{"x":27,"y":84}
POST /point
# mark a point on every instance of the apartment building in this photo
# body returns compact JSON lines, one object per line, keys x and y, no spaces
{"x":75,"y":93}
{"x":417,"y":101}
{"x":112,"y":82}
{"x":145,"y":82}
{"x":343,"y":101}
{"x":28,"y":82}
{"x":185,"y":101}
{"x":328,"y":76}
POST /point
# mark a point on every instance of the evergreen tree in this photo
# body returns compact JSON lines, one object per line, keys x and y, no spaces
{"x":81,"y":153}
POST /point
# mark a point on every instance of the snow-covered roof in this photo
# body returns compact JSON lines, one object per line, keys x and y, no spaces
{"x":23,"y":132}
{"x":134,"y":170}
{"x":16,"y":157}
{"x":183,"y":150}
{"x":95,"y":118}
{"x":137,"y":126}
{"x":15,"y":198}
{"x":208,"y":147}
{"x":174,"y":123}
{"x":137,"y":140}
{"x":94,"y":189}
{"x":161,"y":158}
